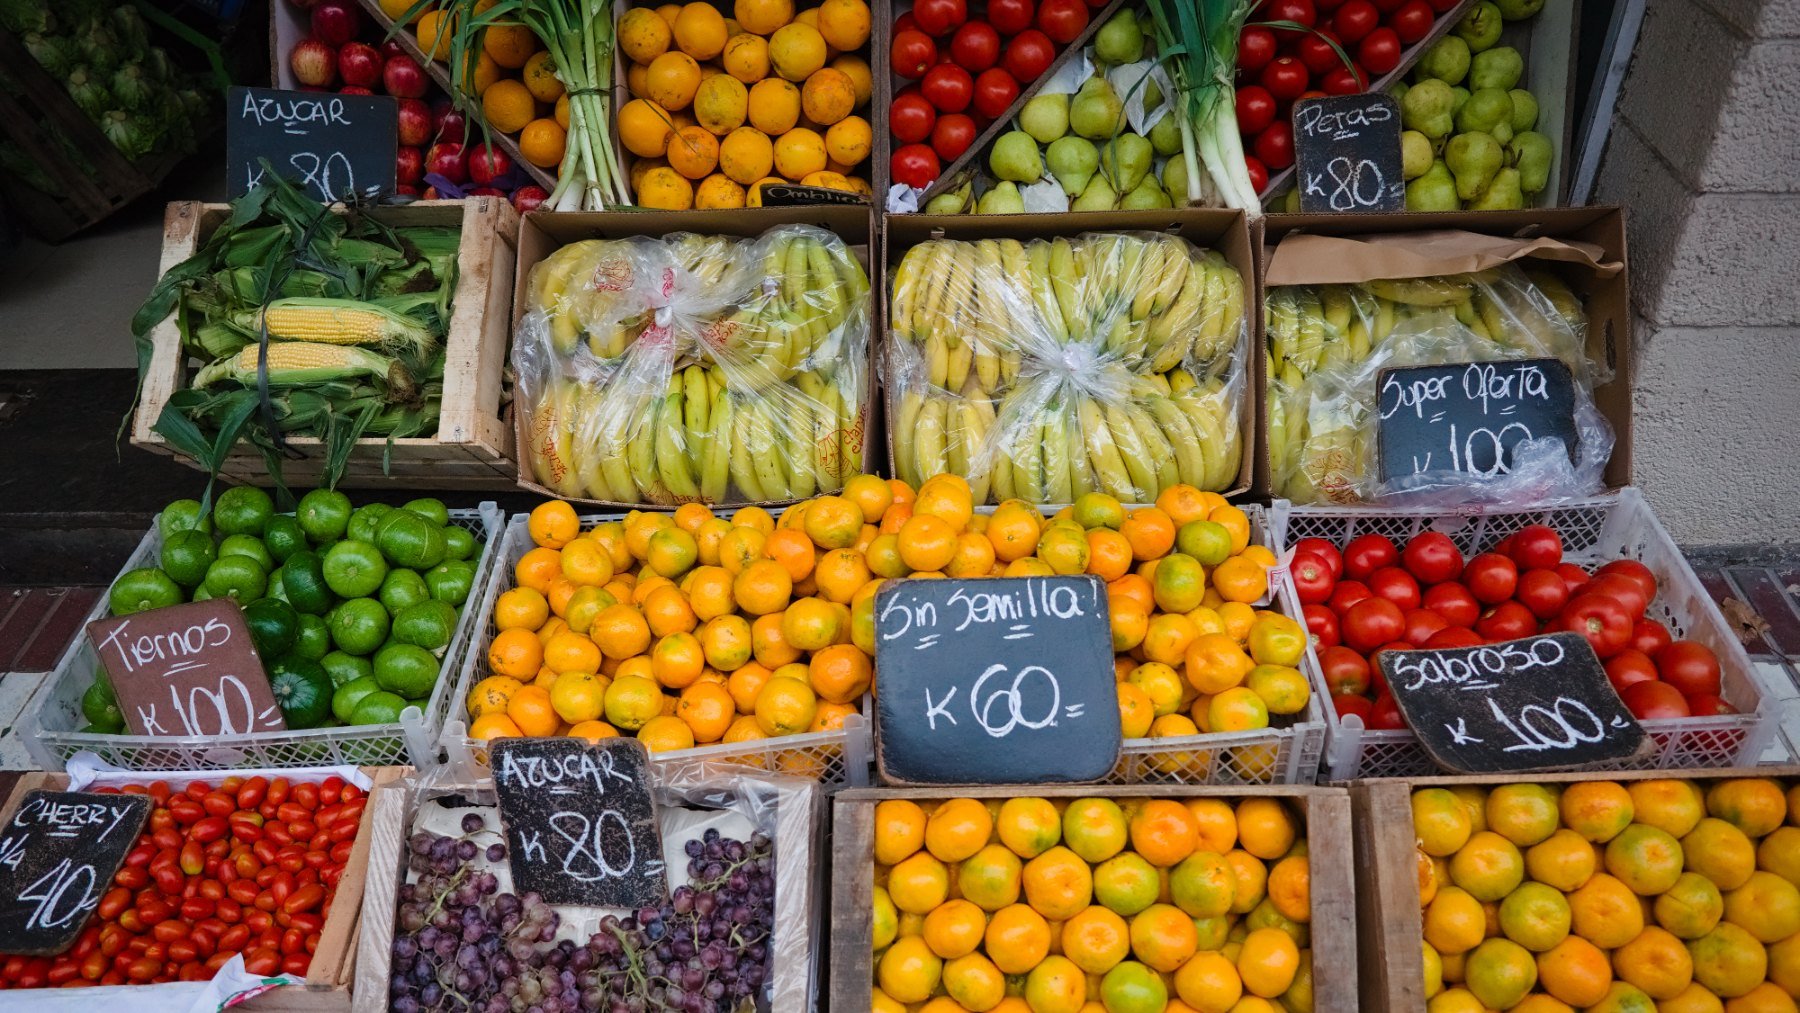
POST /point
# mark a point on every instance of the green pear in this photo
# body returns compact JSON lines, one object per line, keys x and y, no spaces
{"x":1397,"y":90}
{"x":1502,"y":194}
{"x":1175,"y":182}
{"x":1152,"y":92}
{"x":1447,"y":60}
{"x":1126,"y":159}
{"x":1480,"y":28}
{"x":1003,"y":199}
{"x":1290,"y":201}
{"x":1165,"y":136}
{"x":1473,"y":159}
{"x":1016,"y":157}
{"x":1073,"y":161}
{"x":1427,"y":108}
{"x":1458,"y":97}
{"x":1525,"y":109}
{"x":1120,"y":40}
{"x":1145,"y":196}
{"x":1487,"y":110}
{"x":950,"y":202}
{"x":1096,"y":111}
{"x":1499,"y":67}
{"x":1415,"y":154}
{"x":1099,"y":196}
{"x":1434,"y":190}
{"x":1518,"y":10}
{"x":1532,"y":153}
{"x":1045,"y":117}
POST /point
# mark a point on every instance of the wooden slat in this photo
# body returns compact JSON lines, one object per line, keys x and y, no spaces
{"x":387,"y":824}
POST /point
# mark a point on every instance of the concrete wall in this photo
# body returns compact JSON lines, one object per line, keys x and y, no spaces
{"x":1705,"y":156}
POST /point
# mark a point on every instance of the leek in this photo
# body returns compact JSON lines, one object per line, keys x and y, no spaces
{"x":1198,"y":41}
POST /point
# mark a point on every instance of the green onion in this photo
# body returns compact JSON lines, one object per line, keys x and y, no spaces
{"x":1198,"y":41}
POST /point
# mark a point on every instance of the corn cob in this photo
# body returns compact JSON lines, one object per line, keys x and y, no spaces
{"x":337,"y":322}
{"x":298,"y":362}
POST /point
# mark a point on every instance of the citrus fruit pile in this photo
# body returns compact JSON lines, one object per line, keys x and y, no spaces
{"x":723,"y":105}
{"x":1677,"y":896}
{"x":1033,"y":905}
{"x":351,"y":609}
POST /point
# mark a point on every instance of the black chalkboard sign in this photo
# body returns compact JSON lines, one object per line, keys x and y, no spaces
{"x":581,"y":826}
{"x":1469,"y":417}
{"x":1347,"y":153}
{"x":1532,"y":704}
{"x":789,"y":195}
{"x":995,"y":681}
{"x":332,"y":145}
{"x":58,"y":855}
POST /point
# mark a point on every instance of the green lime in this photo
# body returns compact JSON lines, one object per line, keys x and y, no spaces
{"x":277,"y":589}
{"x":430,"y":508}
{"x":283,"y":537}
{"x":354,"y":569}
{"x":458,"y":543}
{"x":378,"y":708}
{"x":202,"y":594}
{"x":429,"y":624}
{"x":451,"y":582}
{"x":362,"y":523}
{"x":406,"y":669}
{"x":144,"y":589}
{"x":313,"y":639}
{"x":345,"y":698}
{"x":302,"y":690}
{"x":401,"y":588}
{"x":243,"y":510}
{"x":273,"y":626}
{"x":407,"y":539}
{"x":100,"y":706}
{"x":186,"y":555}
{"x":359,"y":626}
{"x":346,"y":668}
{"x":182,"y":515}
{"x":303,"y":579}
{"x":247,"y":545}
{"x":1207,"y":541}
{"x":323,"y":514}
{"x":236,"y":576}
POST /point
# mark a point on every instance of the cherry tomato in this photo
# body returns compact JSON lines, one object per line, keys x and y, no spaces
{"x":1322,"y":624}
{"x":330,"y":789}
{"x":1649,"y":636}
{"x":1708,"y":704}
{"x":995,"y":91}
{"x":1454,"y":602}
{"x":1396,"y":585}
{"x":279,"y":789}
{"x":1423,"y":624}
{"x":1285,"y":77}
{"x":1298,"y":11}
{"x":1602,"y":619}
{"x":1010,"y":17}
{"x":1452,"y":637}
{"x":911,"y":117}
{"x":262,"y":962}
{"x":952,"y":135}
{"x":1256,"y":47}
{"x":1386,"y":713}
{"x":936,"y":17}
{"x":976,"y":46}
{"x":1346,"y":594}
{"x":1412,"y":21}
{"x":1628,"y":592}
{"x":1354,"y":20}
{"x":1317,"y":53}
{"x":1543,"y":592}
{"x":916,"y":165}
{"x":911,"y":54}
{"x":1508,"y":620}
{"x":906,"y":23}
{"x":1259,"y":173}
{"x":1379,"y":51}
{"x":1028,"y":55}
{"x":1345,"y":81}
{"x":1491,"y":578}
{"x":1324,"y":550}
{"x":1628,"y":667}
{"x":1312,"y":578}
{"x":1634,"y":571}
{"x":1345,"y":670}
{"x":1062,"y":20}
{"x":1275,"y":145}
{"x":1371,"y":623}
{"x":1432,"y":557}
{"x":1255,"y":109}
{"x":1690,"y":667}
{"x":1650,"y":700}
{"x":1367,"y":553}
{"x":948,"y":87}
{"x":1347,"y":704}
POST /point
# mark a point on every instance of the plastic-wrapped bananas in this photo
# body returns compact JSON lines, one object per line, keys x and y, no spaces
{"x":1327,"y":343}
{"x":695,"y":368}
{"x":1046,"y":369}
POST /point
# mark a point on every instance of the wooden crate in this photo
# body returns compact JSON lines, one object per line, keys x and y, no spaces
{"x":1326,"y":812}
{"x":1391,"y":926}
{"x":472,"y":448}
{"x":328,"y":986}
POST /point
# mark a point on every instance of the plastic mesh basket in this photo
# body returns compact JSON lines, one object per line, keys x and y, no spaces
{"x":54,"y":713}
{"x":1594,"y":531}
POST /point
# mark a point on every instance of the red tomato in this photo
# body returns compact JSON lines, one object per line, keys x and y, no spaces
{"x":1690,"y":667}
{"x":1387,"y":7}
{"x":952,"y":135}
{"x":995,"y":91}
{"x":1354,"y":20}
{"x":1396,"y":585}
{"x":1345,"y":81}
{"x":916,"y":165}
{"x":1312,"y":578}
{"x":906,"y":23}
{"x":1259,"y":173}
{"x":1628,"y":667}
{"x":1649,"y":636}
{"x":1543,"y":592}
{"x":1062,"y":20}
{"x":1327,"y":6}
{"x":1256,"y":47}
{"x":1648,"y":700}
{"x":1028,"y":55}
{"x":936,"y":17}
{"x":1324,"y":550}
{"x":1602,"y":619}
{"x":1386,"y":714}
{"x":1285,"y":77}
{"x":1574,"y":577}
{"x":1454,"y":636}
{"x":1367,"y":553}
{"x":1275,"y":145}
{"x":911,"y":117}
{"x":1010,"y":17}
{"x":976,"y":46}
{"x":1379,"y":51}
{"x":1454,"y":602}
{"x":948,"y":87}
{"x":1432,"y":557}
{"x":1346,"y":594}
{"x":1373,"y":622}
{"x":1317,"y":54}
{"x":1422,"y":625}
{"x":1345,"y":670}
{"x":1633,"y":570}
{"x":1491,"y":578}
{"x":1508,"y":620}
{"x":1348,"y":704}
{"x":1255,"y":109}
{"x":912,"y":53}
{"x":1628,"y":592}
{"x":1412,"y":21}
{"x":1322,"y":623}
{"x":1298,"y":11}
{"x":1709,"y":704}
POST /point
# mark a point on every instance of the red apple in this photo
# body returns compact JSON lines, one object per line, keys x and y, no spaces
{"x":391,"y":48}
{"x":526,"y":199}
{"x":314,"y":63}
{"x":449,"y":160}
{"x":487,"y":163}
{"x":447,"y":121}
{"x":404,"y":78}
{"x":336,"y":21}
{"x":354,"y":89}
{"x":415,"y":121}
{"x":409,"y":189}
{"x":359,"y":64}
{"x":409,"y":164}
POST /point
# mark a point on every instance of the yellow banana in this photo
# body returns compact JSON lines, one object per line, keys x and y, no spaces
{"x":929,"y":453}
{"x":905,"y":447}
{"x":742,"y":465}
{"x":1103,"y":453}
{"x":1058,"y":487}
{"x":640,"y":455}
{"x":1190,"y":460}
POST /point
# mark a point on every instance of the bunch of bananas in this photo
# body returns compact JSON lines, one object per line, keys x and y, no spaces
{"x":696,"y":368}
{"x":1328,"y":342}
{"x":1047,"y":369}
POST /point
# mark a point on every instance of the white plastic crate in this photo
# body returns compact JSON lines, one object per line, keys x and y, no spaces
{"x":50,"y":722}
{"x":1594,"y":531}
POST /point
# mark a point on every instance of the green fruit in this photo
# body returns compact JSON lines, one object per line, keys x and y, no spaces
{"x":100,"y":706}
{"x":186,"y":555}
{"x":303,"y":581}
{"x":1073,"y":161}
{"x":406,"y":669}
{"x":359,"y":626}
{"x":459,"y":543}
{"x":1045,"y":117}
{"x":1488,"y":111}
{"x":1096,"y":112}
{"x":143,"y":589}
{"x":430,"y":508}
{"x":347,"y":695}
{"x":1474,"y":158}
{"x":1120,"y":40}
{"x":239,"y":577}
{"x":1126,"y":160}
{"x":283,"y":537}
{"x":1499,"y":67}
{"x":429,"y":624}
{"x":1015,"y":157}
{"x":313,"y":641}
{"x":1207,"y":541}
{"x":182,"y":515}
{"x":1532,"y":153}
{"x":1503,"y":193}
{"x":346,"y":668}
{"x":354,"y":568}
{"x":1427,"y":109}
{"x":408,"y":539}
{"x":302,"y":690}
{"x":274,"y":626}
{"x":401,"y":588}
{"x":1415,"y":154}
{"x":1003,"y":199}
{"x":1518,"y":10}
{"x":247,"y":545}
{"x":362,"y":523}
{"x":1525,"y":110}
{"x":243,"y":510}
{"x":451,"y":582}
{"x":1447,"y":60}
{"x":1165,"y":135}
{"x":1434,"y":191}
{"x":1480,"y":28}
{"x":323,"y":514}
{"x":378,"y":708}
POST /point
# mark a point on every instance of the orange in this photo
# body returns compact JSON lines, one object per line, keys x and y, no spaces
{"x":974,"y":982}
{"x":1055,"y":986}
{"x":579,"y":696}
{"x":1150,"y":532}
{"x":841,"y":673}
{"x":1655,"y":962}
{"x":1563,"y":860}
{"x":1728,"y":961}
{"x":798,"y":152}
{"x":849,"y":140}
{"x":726,"y":641}
{"x":700,"y":31}
{"x":769,"y":644}
{"x":1240,"y":580}
{"x":773,"y":108}
{"x":643,"y":36}
{"x":1136,"y":711}
{"x":1128,"y":628}
{"x":1488,"y":866}
{"x":899,"y":830}
{"x":763,"y":587}
{"x":1766,"y":906}
{"x":1290,"y":888}
{"x":926,"y":542}
{"x":918,"y":883}
{"x":1764,"y":998}
{"x":1109,"y":554}
{"x":540,"y":79}
{"x":844,"y":23}
{"x":740,"y":547}
{"x":785,"y":707}
{"x":1605,"y":912}
{"x":1017,"y":939}
{"x":580,"y":608}
{"x":644,"y":127}
{"x":720,"y":103}
{"x":707,"y":708}
{"x":1500,"y":972}
{"x":1098,"y":510}
{"x":1754,"y":805}
{"x":667,"y":611}
{"x":1535,"y":916}
{"x":1268,"y":962}
{"x":1184,"y":503}
{"x":1163,"y":832}
{"x":1058,"y":883}
{"x":793,"y":550}
{"x":909,"y":971}
{"x":1216,"y":823}
{"x":1693,"y":999}
{"x":1013,"y":530}
{"x":1028,"y":826}
{"x":1095,"y":829}
{"x":1265,"y":828}
{"x":677,"y":660}
{"x":1644,"y":858}
{"x":1179,"y":583}
{"x":1597,"y":810}
{"x":571,"y":652}
{"x":1126,"y":884}
{"x":1208,"y":983}
{"x":620,"y":631}
{"x":1720,"y":852}
{"x":1235,"y":710}
{"x":586,"y":563}
{"x":1095,"y":939}
{"x":871,"y":495}
{"x":1440,"y":822}
{"x":693,"y":152}
{"x":1575,"y":971}
{"x":840,"y":573}
{"x":530,"y":709}
{"x":957,"y":829}
{"x":885,"y":922}
{"x":763,"y":16}
{"x":830,"y":716}
{"x":631,"y":701}
{"x":553,"y":524}
{"x":990,"y":879}
{"x":746,"y":57}
{"x":1236,"y":522}
{"x":1667,"y":804}
{"x":1691,"y":907}
{"x":1454,"y":922}
{"x":1160,"y":684}
{"x":954,"y":929}
{"x":1064,"y":549}
{"x":520,"y":607}
{"x":593,"y":731}
{"x":542,"y":142}
{"x":857,"y":70}
{"x":974,"y":556}
{"x":494,"y":726}
{"x":538,"y":568}
{"x":827,"y":96}
{"x":1163,"y":937}
{"x":515,"y":652}
{"x":1522,"y":813}
{"x":1784,"y":964}
{"x":809,"y":624}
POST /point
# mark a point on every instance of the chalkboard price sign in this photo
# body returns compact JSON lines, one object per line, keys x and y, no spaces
{"x":1469,"y":417}
{"x":187,"y":670}
{"x":1347,"y":153}
{"x":580,"y":822}
{"x":333,"y":146}
{"x":1532,"y":704}
{"x":58,"y":855}
{"x":995,"y":681}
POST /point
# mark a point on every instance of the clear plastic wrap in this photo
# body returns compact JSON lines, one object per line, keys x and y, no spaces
{"x":1049,"y":368}
{"x":688,"y":368}
{"x":1327,"y":345}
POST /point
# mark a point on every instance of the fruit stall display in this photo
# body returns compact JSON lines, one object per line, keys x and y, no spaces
{"x":357,"y":614}
{"x":1572,"y":892}
{"x":1605,"y":568}
{"x":1134,"y":899}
